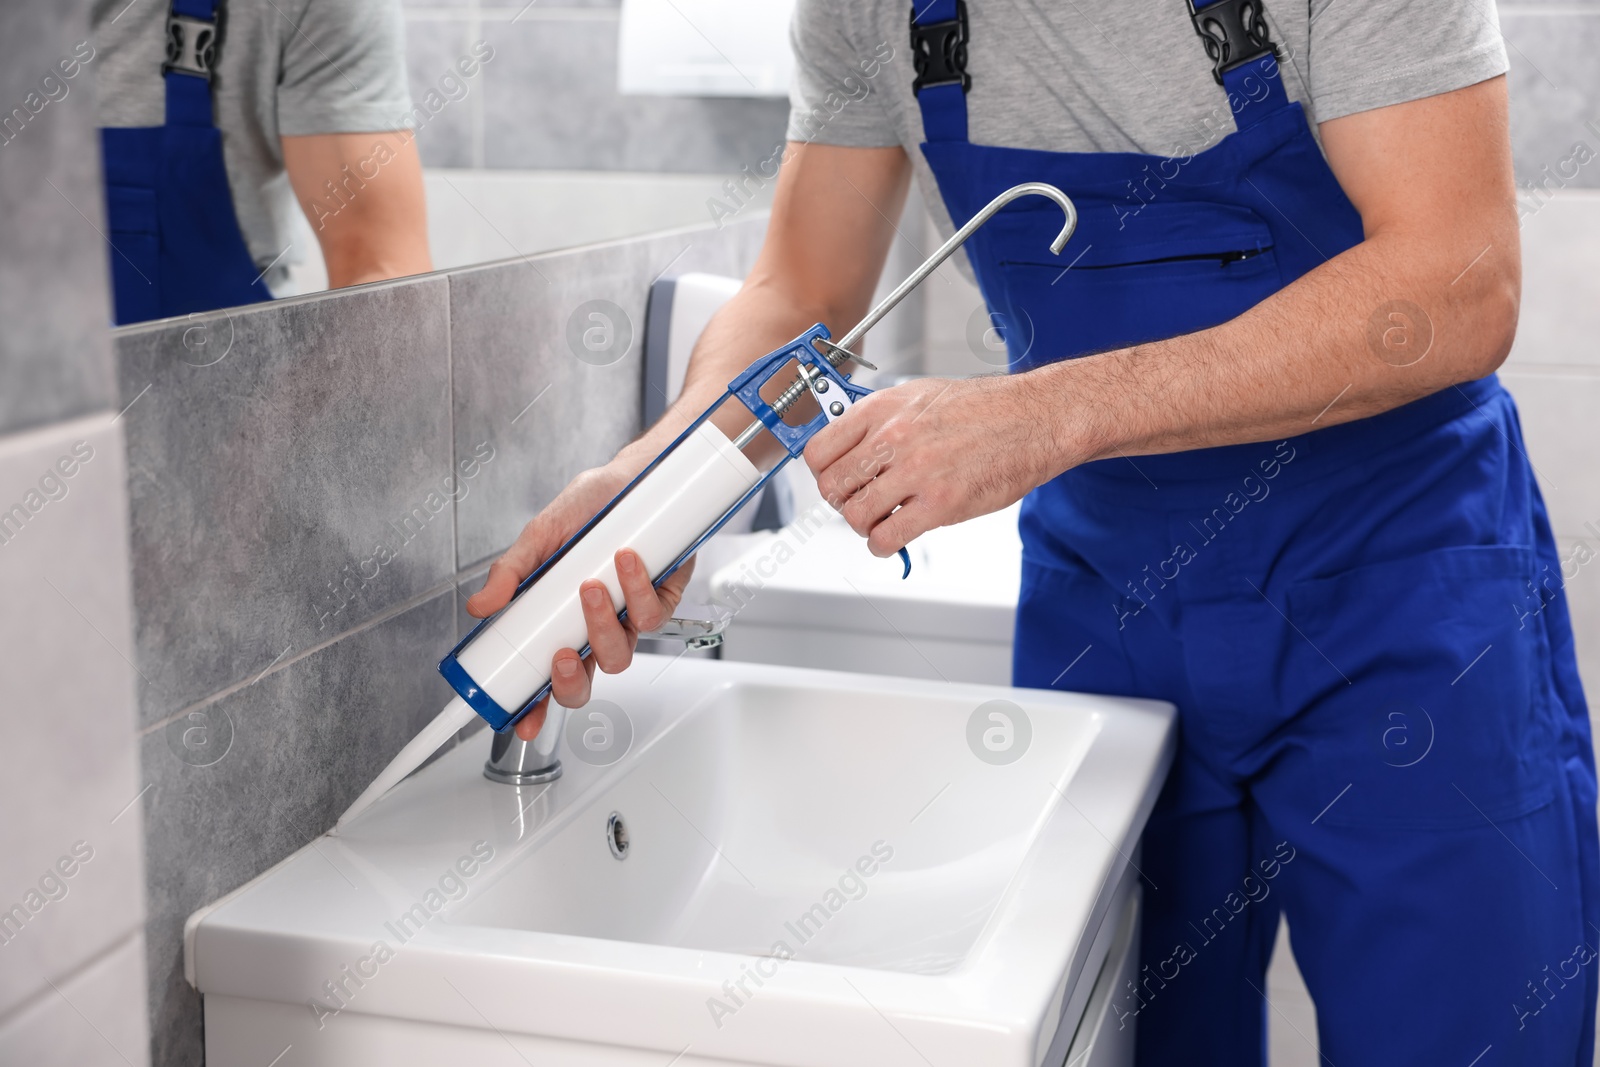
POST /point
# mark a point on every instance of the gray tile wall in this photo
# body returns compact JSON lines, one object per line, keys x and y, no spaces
{"x":268,"y":465}
{"x":53,"y":272}
{"x":547,"y":97}
{"x":1555,"y":86}
{"x":71,"y":872}
{"x":292,"y":446}
{"x":522,"y":388}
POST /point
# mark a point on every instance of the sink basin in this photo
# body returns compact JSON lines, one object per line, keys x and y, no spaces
{"x":788,"y":866}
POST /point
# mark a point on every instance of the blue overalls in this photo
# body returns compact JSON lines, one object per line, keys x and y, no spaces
{"x":175,"y":242}
{"x":1382,"y":731}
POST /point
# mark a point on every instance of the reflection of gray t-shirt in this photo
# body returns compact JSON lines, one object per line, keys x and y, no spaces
{"x":1129,"y":76}
{"x":286,"y":68}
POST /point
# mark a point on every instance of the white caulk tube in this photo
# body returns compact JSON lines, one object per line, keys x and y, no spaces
{"x":659,"y":518}
{"x":509,"y":660}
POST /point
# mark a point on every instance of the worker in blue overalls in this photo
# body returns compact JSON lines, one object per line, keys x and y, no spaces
{"x":218,"y":117}
{"x":1267,"y":474}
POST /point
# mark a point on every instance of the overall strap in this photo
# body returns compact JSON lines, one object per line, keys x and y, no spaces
{"x":939,"y":56}
{"x":1244,"y":58}
{"x":191,"y":59}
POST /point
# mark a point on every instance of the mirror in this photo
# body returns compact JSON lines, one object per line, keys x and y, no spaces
{"x":257,"y":151}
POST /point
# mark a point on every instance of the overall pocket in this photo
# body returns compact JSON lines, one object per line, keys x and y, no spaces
{"x":1425,"y":689}
{"x":1174,"y":269}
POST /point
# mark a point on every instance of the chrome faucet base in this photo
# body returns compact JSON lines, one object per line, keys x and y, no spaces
{"x":504,"y":777}
{"x":513,"y":761}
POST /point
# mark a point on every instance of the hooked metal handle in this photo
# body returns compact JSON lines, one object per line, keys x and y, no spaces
{"x":956,"y":241}
{"x":837,"y":353}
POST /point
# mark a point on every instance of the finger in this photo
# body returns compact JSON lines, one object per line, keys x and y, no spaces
{"x":876,"y":500}
{"x":646,"y":611}
{"x":671,"y":590}
{"x":854,"y":472}
{"x":529,"y":725}
{"x":835,"y":439}
{"x":609,"y":643}
{"x":913,"y":519}
{"x":570,"y":679}
{"x":536,"y":541}
{"x":497,"y":589}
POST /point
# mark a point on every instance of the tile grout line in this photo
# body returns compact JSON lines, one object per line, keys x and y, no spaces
{"x":509,"y":14}
{"x":450,"y":441}
{"x":433,"y":591}
{"x":115,"y":945}
{"x":448,"y":585}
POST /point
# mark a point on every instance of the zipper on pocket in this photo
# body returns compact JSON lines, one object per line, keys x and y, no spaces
{"x":1221,"y":259}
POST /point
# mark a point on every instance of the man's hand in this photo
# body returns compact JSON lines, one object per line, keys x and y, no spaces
{"x":611,"y":641}
{"x":373,"y":225}
{"x":930,"y":453}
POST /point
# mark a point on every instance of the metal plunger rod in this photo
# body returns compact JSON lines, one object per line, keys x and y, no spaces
{"x":838,"y":353}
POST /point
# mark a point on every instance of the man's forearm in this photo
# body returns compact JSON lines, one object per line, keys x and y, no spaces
{"x":363,"y":195}
{"x":1312,"y":355}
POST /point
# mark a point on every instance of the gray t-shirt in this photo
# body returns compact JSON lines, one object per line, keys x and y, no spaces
{"x":286,"y":68}
{"x":1129,"y":76}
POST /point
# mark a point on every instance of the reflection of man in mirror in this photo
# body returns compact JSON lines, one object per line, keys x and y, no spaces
{"x":218,"y":115}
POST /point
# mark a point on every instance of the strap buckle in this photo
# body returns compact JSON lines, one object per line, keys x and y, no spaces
{"x":1235,"y":33}
{"x":191,"y":46}
{"x":939,"y":51}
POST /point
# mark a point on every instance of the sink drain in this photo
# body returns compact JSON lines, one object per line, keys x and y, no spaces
{"x":617,"y":836}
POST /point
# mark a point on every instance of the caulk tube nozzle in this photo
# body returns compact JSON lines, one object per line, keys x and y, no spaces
{"x":445,"y":725}
{"x":695,"y":482}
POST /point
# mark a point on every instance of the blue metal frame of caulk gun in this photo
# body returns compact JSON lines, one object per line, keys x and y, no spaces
{"x":818,"y":374}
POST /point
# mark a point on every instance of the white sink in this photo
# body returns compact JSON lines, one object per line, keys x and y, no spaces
{"x":939,"y":909}
{"x":812,"y":593}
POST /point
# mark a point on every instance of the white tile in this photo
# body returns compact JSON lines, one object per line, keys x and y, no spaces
{"x":68,"y":763}
{"x":1292,"y":1018}
{"x":1560,"y":320}
{"x":951,"y":304}
{"x":96,"y":1018}
{"x":1582,"y":587}
{"x":1560,"y":423}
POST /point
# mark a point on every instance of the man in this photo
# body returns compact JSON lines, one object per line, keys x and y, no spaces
{"x":218,"y":115}
{"x":1278,"y":485}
